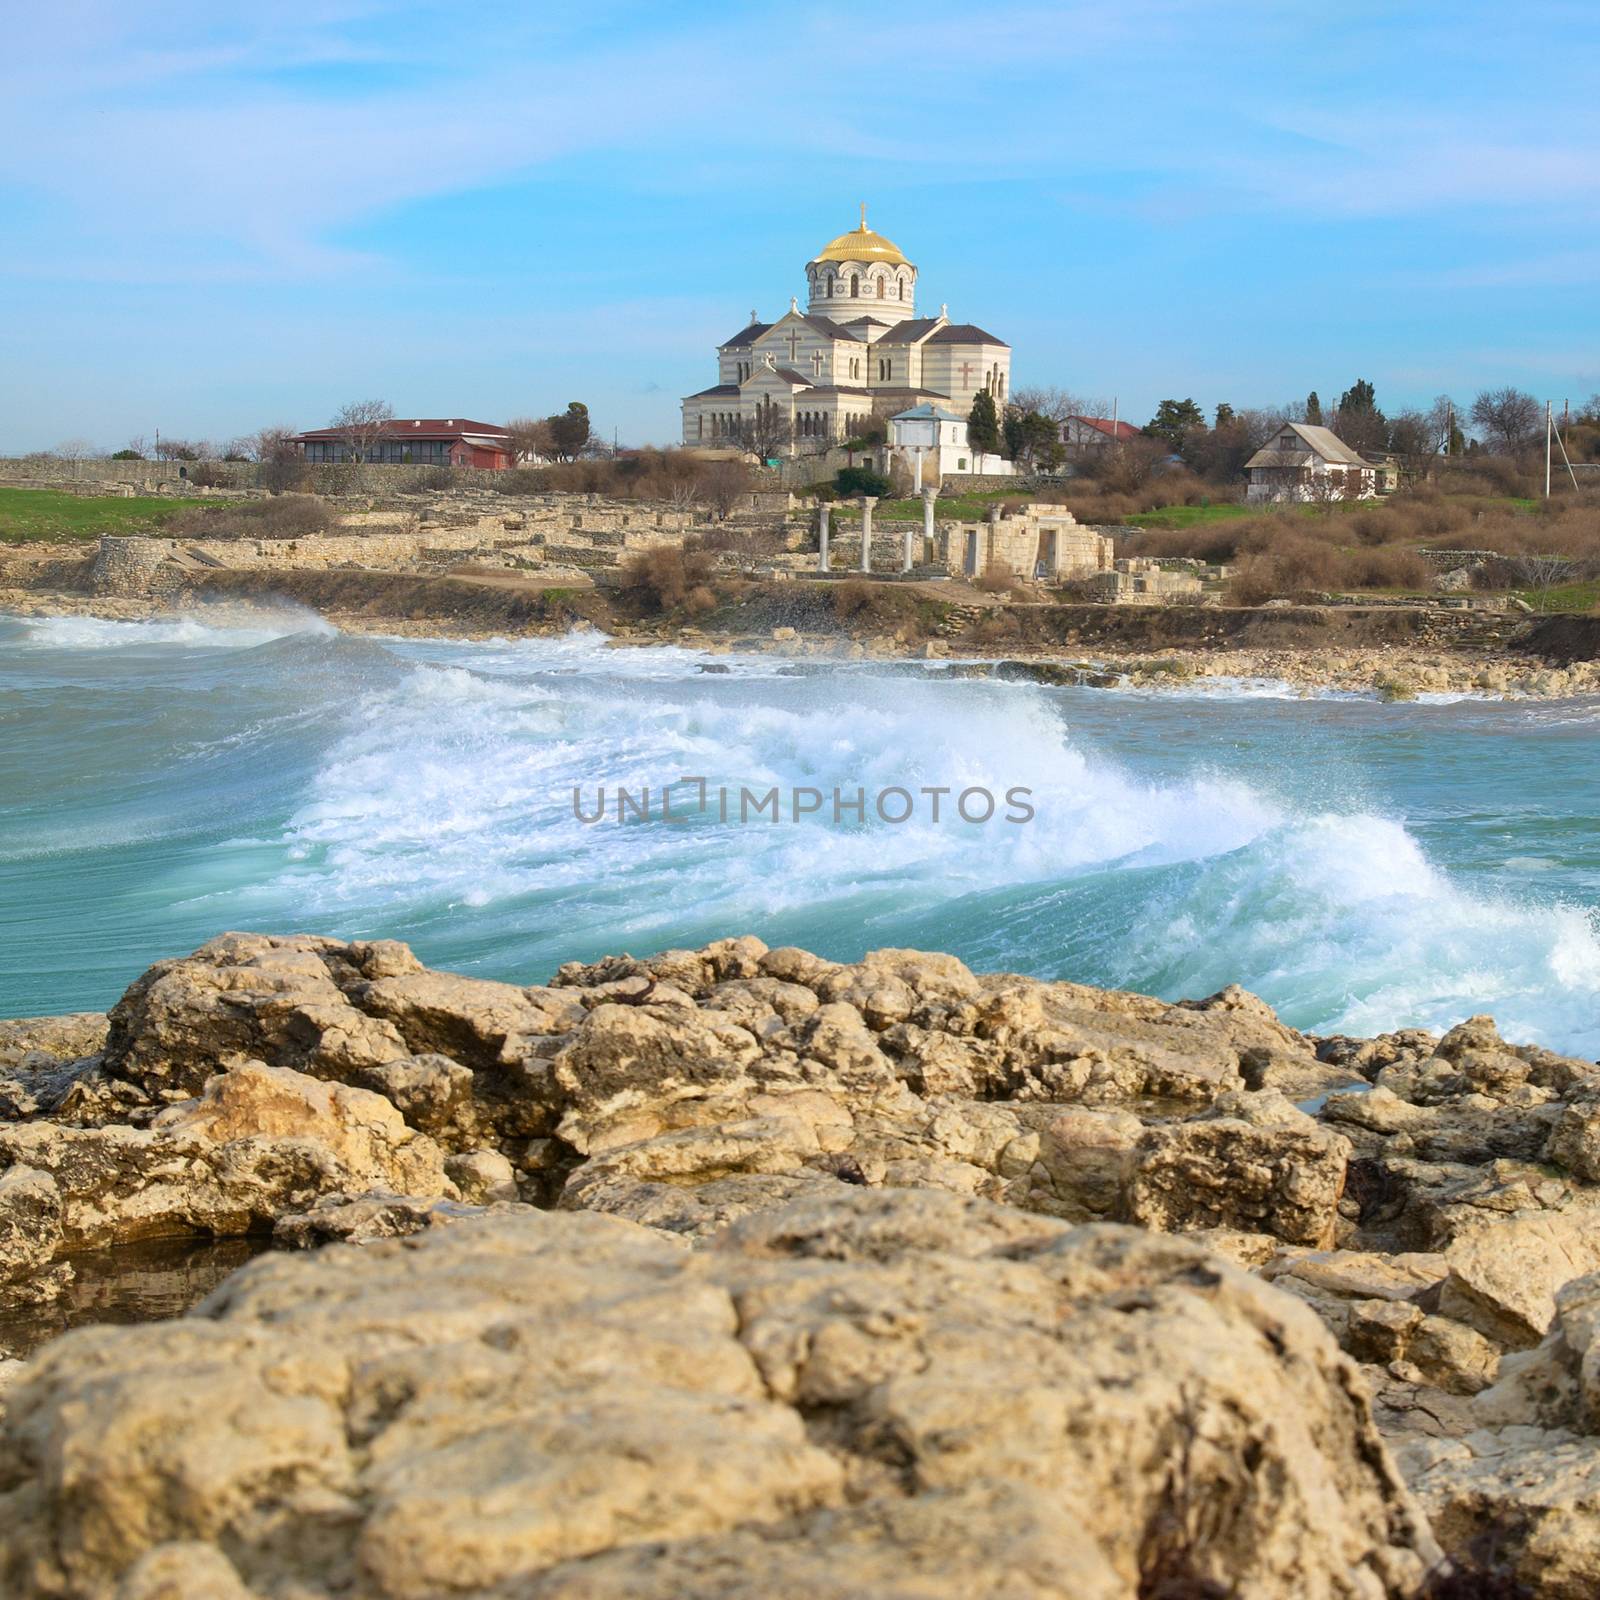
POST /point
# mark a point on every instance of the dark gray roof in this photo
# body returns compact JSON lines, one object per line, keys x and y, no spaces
{"x":834,"y":330}
{"x":721,"y":388}
{"x":792,"y":376}
{"x":965,"y":333}
{"x":884,"y":393}
{"x":747,"y":336}
{"x":911,"y":331}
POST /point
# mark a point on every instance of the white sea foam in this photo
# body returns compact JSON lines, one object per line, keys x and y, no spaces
{"x":224,"y":627}
{"x":455,"y":790}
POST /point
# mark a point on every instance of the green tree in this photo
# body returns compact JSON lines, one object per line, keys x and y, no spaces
{"x":1314,"y":409}
{"x":1175,"y":421}
{"x":569,"y":431}
{"x":1031,"y":437}
{"x":1360,"y":396}
{"x":983,"y":425}
{"x":1225,"y":415}
{"x":1359,"y":422}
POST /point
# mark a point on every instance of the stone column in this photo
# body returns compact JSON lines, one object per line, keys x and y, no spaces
{"x":868,"y":501}
{"x":822,"y":545}
{"x":928,"y":497}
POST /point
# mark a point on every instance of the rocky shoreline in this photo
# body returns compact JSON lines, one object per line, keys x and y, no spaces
{"x":1389,"y":672}
{"x":737,"y":1272}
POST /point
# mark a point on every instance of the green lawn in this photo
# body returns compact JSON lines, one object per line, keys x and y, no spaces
{"x":1578,"y":597}
{"x":960,"y":507}
{"x":45,"y":514}
{"x":1190,"y":516}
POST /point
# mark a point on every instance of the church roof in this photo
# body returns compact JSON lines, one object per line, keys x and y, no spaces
{"x":718,"y":389}
{"x":788,"y":374}
{"x":826,"y":325}
{"x":747,"y":335}
{"x":912,"y":331}
{"x":965,"y":333}
{"x":862,"y":244}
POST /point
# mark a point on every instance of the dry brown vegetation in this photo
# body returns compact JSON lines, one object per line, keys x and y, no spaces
{"x":286,"y":516}
{"x":668,"y":577}
{"x":1290,"y":551}
{"x":678,"y":476}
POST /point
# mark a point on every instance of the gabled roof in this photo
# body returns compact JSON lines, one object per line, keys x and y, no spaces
{"x":788,"y":374}
{"x":718,"y":389}
{"x":417,"y":428}
{"x":828,"y":327}
{"x":926,"y":413}
{"x":912,"y":331}
{"x":746,"y":336}
{"x":1112,"y":430}
{"x":965,"y":333}
{"x":1321,"y":442}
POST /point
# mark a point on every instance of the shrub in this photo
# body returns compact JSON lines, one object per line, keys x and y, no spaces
{"x":1390,"y":567}
{"x":208,"y":475}
{"x":289,"y":516}
{"x":998,"y":579}
{"x":430,"y":480}
{"x":664,"y":577}
{"x":853,"y":481}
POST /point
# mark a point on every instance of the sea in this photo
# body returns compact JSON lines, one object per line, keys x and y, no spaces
{"x":1362,"y":866}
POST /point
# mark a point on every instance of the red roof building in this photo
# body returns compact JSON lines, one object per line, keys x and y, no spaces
{"x":1096,"y":433}
{"x":416,"y":441}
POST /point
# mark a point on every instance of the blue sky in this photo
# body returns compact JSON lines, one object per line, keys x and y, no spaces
{"x":220,"y":217}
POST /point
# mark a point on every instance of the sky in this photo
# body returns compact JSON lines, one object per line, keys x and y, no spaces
{"x":215,"y":218}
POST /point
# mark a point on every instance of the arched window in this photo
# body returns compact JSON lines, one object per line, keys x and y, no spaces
{"x":855,"y":287}
{"x":881,"y":294}
{"x":830,"y":286}
{"x":902,"y":288}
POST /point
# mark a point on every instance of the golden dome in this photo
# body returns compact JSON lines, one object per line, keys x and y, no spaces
{"x":862,"y":244}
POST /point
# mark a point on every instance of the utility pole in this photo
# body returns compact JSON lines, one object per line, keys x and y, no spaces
{"x":1549,"y":428}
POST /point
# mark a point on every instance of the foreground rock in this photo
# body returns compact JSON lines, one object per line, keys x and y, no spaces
{"x":1433,"y":1201}
{"x":937,"y":1396}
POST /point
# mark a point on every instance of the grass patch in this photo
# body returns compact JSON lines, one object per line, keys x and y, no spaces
{"x":949,"y":507}
{"x":1192,"y":516}
{"x":30,"y":515}
{"x":1579,"y":597}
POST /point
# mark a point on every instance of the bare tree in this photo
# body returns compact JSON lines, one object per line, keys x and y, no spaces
{"x":1415,"y":439}
{"x":1509,"y":418}
{"x":767,"y":432}
{"x":1541,"y":574}
{"x":361,"y":425}
{"x":281,"y":464}
{"x":721,"y":485}
{"x":531,"y":439}
{"x":76,"y":450}
{"x":1048,"y":401}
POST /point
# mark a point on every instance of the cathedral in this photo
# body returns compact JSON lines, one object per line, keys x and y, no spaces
{"x":858,"y":349}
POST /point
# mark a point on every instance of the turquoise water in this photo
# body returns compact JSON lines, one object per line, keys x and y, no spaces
{"x":1362,"y":866}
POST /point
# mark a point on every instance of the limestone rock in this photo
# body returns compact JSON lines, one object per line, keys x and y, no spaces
{"x":566,"y":1404}
{"x":1505,"y":1271}
{"x":1252,"y":1163}
{"x":258,"y":1143}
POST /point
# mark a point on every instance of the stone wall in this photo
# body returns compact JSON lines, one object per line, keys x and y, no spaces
{"x":1038,"y":540}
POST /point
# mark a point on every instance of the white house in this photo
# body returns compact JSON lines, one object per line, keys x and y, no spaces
{"x":1095,"y":433}
{"x":933,"y":444}
{"x":1301,"y":462}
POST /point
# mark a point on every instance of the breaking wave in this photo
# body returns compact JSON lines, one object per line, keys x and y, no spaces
{"x":424,"y":790}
